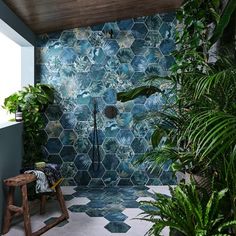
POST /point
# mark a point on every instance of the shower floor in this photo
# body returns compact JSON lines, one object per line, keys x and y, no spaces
{"x":96,"y":212}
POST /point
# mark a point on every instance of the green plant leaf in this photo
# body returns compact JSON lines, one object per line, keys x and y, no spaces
{"x":224,"y":21}
{"x":134,"y":93}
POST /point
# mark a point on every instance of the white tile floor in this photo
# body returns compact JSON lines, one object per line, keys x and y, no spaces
{"x":80,"y":224}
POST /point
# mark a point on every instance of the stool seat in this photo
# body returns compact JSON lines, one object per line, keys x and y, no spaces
{"x":20,"y":180}
{"x":12,"y":210}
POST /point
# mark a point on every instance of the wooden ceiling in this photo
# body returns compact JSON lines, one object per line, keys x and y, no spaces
{"x":51,"y":15}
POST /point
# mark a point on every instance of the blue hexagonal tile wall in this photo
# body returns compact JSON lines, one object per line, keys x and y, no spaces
{"x":91,"y":64}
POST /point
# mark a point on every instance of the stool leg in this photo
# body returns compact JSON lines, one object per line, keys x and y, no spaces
{"x":8,"y":214}
{"x":61,"y":202}
{"x":26,"y":212}
{"x":43,"y":199}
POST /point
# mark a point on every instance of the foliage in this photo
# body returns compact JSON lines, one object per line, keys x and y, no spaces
{"x":33,"y":100}
{"x":188,"y":211}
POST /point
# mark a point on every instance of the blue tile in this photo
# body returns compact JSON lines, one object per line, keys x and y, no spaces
{"x":112,"y":64}
{"x":94,"y":155}
{"x":96,"y":39}
{"x":125,"y":24}
{"x":53,"y":129}
{"x":153,"y":70}
{"x":82,"y":113}
{"x":54,"y":159}
{"x":78,"y":208}
{"x":68,"y":56}
{"x":139,"y":30}
{"x":167,"y":46}
{"x":140,"y":19}
{"x":111,"y":129}
{"x":110,"y":47}
{"x":138,"y":110}
{"x":125,"y":39}
{"x":166,"y":31}
{"x":125,"y":137}
{"x":115,"y":216}
{"x":96,"y":182}
{"x":98,"y":27}
{"x":68,"y":38}
{"x":117,"y":227}
{"x":68,"y":137}
{"x":125,"y":55}
{"x":168,"y":17}
{"x":96,"y":212}
{"x":139,"y":63}
{"x":139,"y":178}
{"x":153,"y":22}
{"x":82,"y":145}
{"x":96,"y":170}
{"x":68,"y":153}
{"x":111,"y":26}
{"x":110,"y":178}
{"x":139,"y":145}
{"x":153,"y":55}
{"x":124,"y":119}
{"x":84,"y":98}
{"x":82,"y":178}
{"x":53,"y":145}
{"x":110,"y":145}
{"x":139,"y":47}
{"x":82,"y":64}
{"x":97,"y":55}
{"x":83,"y":47}
{"x":110,"y":96}
{"x":68,"y":170}
{"x":153,"y":39}
{"x":167,"y":177}
{"x":125,"y":169}
{"x":68,"y":121}
{"x":131,"y":204}
{"x":82,"y":161}
{"x":100,"y":137}
{"x":138,"y":78}
{"x":125,"y":71}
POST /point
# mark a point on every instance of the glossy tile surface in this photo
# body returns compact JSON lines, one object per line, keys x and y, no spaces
{"x":87,"y":65}
{"x":95,"y":212}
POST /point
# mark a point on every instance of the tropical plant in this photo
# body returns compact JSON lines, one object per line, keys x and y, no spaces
{"x":188,"y":212}
{"x":32,"y":100}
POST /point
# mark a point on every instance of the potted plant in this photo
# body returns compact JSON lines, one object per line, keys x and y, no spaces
{"x":33,"y":101}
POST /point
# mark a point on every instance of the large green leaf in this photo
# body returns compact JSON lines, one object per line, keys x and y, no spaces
{"x":224,"y":21}
{"x":139,"y":91}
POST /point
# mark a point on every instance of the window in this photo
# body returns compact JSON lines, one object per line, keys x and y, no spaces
{"x":16,"y":65}
{"x":10,"y":71}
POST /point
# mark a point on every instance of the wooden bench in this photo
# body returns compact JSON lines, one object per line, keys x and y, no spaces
{"x":12,"y":210}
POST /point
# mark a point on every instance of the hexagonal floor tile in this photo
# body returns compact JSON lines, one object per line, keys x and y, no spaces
{"x":96,"y":212}
{"x":115,"y":216}
{"x":117,"y":227}
{"x":78,"y":208}
{"x":52,"y":219}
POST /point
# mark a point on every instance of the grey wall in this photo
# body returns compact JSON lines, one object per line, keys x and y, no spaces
{"x":10,"y":157}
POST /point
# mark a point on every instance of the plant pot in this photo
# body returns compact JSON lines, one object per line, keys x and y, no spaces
{"x":201,"y":181}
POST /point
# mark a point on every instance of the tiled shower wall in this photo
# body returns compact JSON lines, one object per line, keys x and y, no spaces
{"x":93,"y":63}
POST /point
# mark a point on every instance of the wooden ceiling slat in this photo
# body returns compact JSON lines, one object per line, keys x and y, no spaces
{"x":45,"y":16}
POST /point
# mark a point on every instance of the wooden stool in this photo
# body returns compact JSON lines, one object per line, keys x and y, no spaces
{"x":12,"y":210}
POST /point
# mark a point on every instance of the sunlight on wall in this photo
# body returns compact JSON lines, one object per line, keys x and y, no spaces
{"x":10,"y":71}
